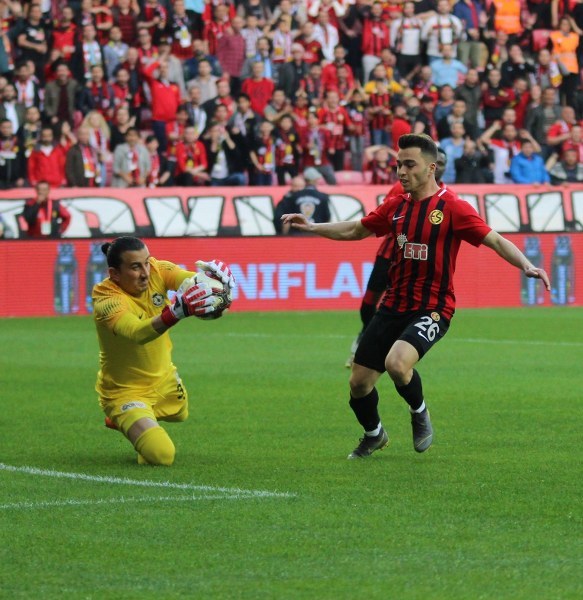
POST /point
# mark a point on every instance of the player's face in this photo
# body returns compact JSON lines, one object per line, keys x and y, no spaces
{"x":133,"y":274}
{"x":413,"y":169}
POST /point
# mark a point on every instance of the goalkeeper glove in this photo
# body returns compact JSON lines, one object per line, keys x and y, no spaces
{"x":196,"y":300}
{"x":219,"y":270}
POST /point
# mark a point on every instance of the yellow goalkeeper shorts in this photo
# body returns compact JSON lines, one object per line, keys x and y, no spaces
{"x":168,"y":402}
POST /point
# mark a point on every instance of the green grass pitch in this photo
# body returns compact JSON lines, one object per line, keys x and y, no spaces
{"x":492,"y":510}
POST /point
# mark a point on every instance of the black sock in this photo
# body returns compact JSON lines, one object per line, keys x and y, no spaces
{"x":365,"y":409}
{"x":412,"y":393}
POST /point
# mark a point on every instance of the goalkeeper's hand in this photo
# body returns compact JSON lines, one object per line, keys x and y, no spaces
{"x":218,"y":269}
{"x":195,"y":301}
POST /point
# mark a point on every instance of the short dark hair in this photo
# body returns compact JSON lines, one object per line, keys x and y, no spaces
{"x":422,"y":141}
{"x":132,"y":130}
{"x":114,"y":250}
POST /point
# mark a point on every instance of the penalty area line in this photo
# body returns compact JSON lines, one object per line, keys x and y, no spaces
{"x":105,"y":501}
{"x":144,"y":482}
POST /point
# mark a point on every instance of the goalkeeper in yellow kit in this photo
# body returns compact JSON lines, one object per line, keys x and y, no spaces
{"x":137,"y":383}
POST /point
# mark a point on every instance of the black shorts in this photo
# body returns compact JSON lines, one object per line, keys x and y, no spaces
{"x":422,"y":329}
{"x":379,"y":276}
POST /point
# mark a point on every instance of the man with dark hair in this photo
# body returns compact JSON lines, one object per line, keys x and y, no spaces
{"x":428,"y":224}
{"x":378,"y":280}
{"x":138,"y":385}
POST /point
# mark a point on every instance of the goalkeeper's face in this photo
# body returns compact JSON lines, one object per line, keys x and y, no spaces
{"x":133,"y":274}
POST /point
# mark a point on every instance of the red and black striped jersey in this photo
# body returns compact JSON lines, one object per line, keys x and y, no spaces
{"x":386,"y":246}
{"x":426,"y":237}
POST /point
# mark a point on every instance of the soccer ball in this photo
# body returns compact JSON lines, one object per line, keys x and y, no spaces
{"x":222,"y":297}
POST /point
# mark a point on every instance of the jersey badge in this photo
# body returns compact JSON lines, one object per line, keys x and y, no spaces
{"x":158,"y":299}
{"x":435,"y":316}
{"x":401,"y":240}
{"x":435,"y":217}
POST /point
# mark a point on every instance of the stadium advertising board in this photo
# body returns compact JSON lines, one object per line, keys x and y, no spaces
{"x":283,"y":273}
{"x":216,"y":212}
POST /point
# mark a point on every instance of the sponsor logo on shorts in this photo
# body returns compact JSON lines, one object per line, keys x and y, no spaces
{"x":435,"y":217}
{"x":129,"y":405}
{"x":435,"y":316}
{"x":158,"y":300}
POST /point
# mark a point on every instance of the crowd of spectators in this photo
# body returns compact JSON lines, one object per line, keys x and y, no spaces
{"x":150,"y":93}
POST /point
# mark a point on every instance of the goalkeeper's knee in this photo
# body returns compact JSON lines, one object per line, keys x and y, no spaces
{"x":156,"y":447}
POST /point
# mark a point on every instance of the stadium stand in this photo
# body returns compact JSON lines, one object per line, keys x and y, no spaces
{"x":365,"y":68}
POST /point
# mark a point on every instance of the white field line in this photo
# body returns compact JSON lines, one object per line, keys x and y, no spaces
{"x":145,"y":483}
{"x":333,"y":336}
{"x":122,"y":500}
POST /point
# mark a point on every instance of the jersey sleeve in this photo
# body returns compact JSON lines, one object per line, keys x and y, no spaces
{"x":377,"y":221}
{"x":467,"y":223}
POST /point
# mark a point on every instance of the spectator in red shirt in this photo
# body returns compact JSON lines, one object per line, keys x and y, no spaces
{"x":338,"y":123}
{"x":126,"y":18}
{"x":356,"y":108}
{"x":312,"y":47}
{"x":375,"y":37}
{"x":330,"y":71}
{"x":287,"y":150}
{"x":214,"y":29}
{"x":191,"y":160}
{"x":380,"y":165}
{"x":400,"y":124}
{"x":495,"y":98}
{"x":165,"y":99}
{"x":175,"y":133}
{"x":262,"y":155}
{"x":231,"y":53}
{"x":65,"y":33}
{"x":379,"y":114}
{"x":317,"y":145}
{"x":575,"y":142}
{"x":47,"y":160}
{"x":560,"y":131}
{"x":258,"y":88}
{"x":45,"y":217}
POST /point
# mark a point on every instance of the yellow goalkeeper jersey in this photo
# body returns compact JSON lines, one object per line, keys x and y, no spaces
{"x":133,"y":356}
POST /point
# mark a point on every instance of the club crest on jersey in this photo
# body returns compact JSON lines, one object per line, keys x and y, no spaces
{"x":401,"y":240}
{"x":435,"y":217}
{"x":435,"y":316}
{"x":158,"y":299}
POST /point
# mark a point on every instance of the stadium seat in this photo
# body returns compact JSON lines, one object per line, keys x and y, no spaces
{"x":540,"y":39}
{"x":349,"y":178}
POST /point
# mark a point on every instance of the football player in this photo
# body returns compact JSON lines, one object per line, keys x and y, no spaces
{"x":427,"y":223}
{"x":138,"y":385}
{"x":379,"y":276}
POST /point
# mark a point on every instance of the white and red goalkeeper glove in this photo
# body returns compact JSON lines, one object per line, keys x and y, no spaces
{"x":197,"y":301}
{"x":219,"y":270}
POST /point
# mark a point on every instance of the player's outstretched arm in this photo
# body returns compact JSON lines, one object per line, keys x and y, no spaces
{"x":341,"y":231}
{"x":511,"y":254}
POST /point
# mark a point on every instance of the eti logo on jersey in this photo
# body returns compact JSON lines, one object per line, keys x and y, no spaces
{"x":412,"y":250}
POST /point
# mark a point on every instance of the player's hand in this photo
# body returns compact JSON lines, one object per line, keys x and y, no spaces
{"x":218,"y":269}
{"x":297,"y":221}
{"x":539,"y":274}
{"x":195,"y":301}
